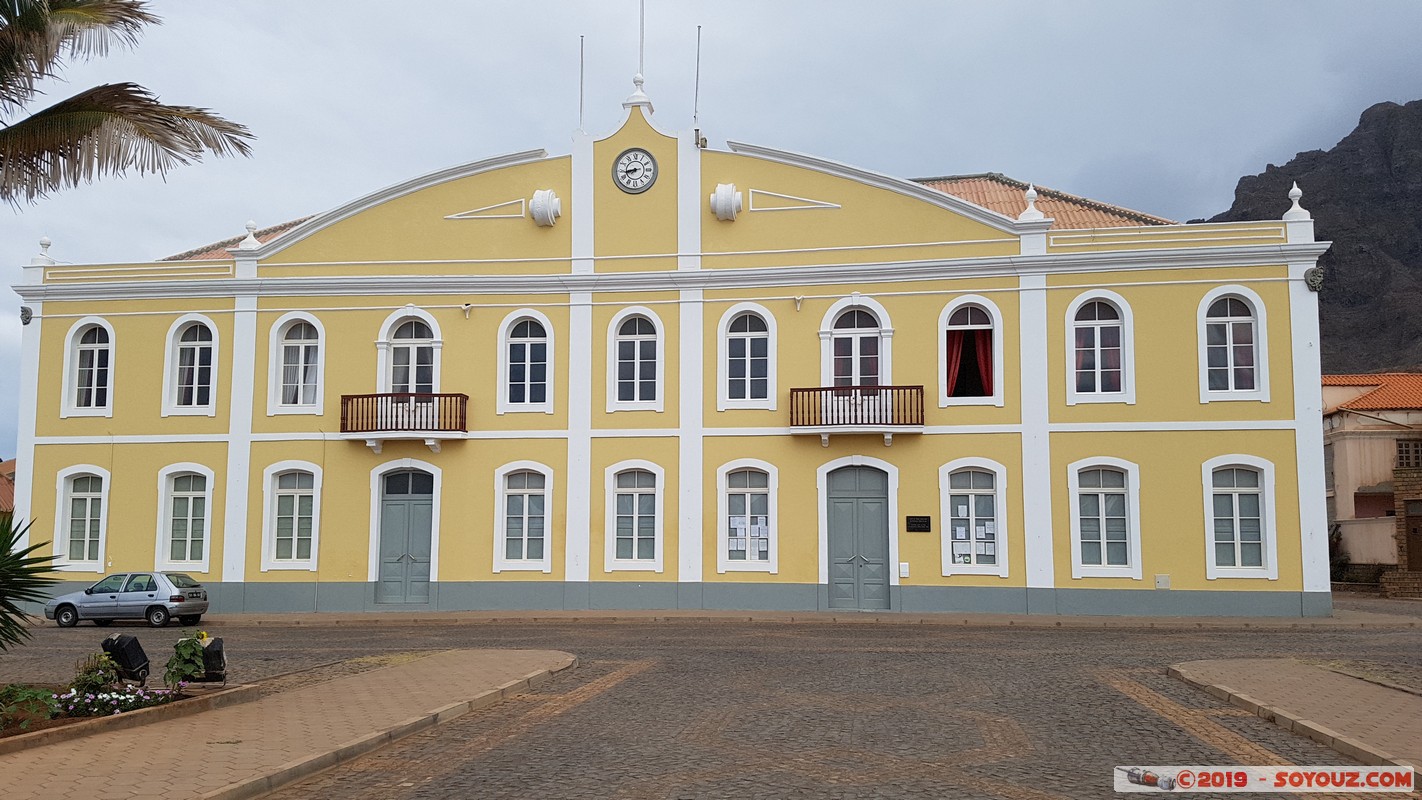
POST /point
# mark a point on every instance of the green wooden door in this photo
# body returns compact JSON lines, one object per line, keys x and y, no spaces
{"x":406,"y":516}
{"x":858,"y":538}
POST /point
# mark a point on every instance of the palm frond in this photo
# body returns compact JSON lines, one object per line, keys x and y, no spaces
{"x":22,"y":579}
{"x":107,"y":130}
{"x":36,"y":34}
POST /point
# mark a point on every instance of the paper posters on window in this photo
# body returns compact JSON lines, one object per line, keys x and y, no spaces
{"x":962,"y":511}
{"x":960,"y":532}
{"x":991,"y":527}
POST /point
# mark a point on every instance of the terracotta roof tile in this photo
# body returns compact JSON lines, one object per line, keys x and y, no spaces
{"x":1394,"y":390}
{"x":218,"y":250}
{"x":7,"y":486}
{"x":997,"y":192}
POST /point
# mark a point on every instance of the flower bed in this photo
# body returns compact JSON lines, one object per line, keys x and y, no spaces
{"x":130,"y":698}
{"x":24,"y":709}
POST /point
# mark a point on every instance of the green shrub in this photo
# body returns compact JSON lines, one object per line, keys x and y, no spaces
{"x":185,"y":664}
{"x":94,"y":673}
{"x":21,"y":705}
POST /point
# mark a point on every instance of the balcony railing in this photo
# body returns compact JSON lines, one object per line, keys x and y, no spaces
{"x":857,"y":408}
{"x":396,"y":412}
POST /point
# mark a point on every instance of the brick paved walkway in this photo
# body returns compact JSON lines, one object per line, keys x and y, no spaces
{"x":209,"y":752}
{"x":1385,"y":720}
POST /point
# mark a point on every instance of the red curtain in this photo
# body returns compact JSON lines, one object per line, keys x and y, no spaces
{"x":955,"y":358}
{"x":983,"y":340}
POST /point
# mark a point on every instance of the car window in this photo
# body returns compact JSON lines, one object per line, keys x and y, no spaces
{"x":140,"y":583}
{"x":182,"y":581}
{"x":110,"y":584}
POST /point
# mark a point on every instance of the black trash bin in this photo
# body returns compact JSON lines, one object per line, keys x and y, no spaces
{"x":128,"y":654}
{"x":214,"y":661}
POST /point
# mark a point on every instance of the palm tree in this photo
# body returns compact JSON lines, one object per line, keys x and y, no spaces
{"x":105,"y":130}
{"x":22,"y":579}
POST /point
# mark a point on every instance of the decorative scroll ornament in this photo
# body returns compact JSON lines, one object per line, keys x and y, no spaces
{"x":726,"y":202}
{"x":1313,"y":278}
{"x":545,"y":208}
{"x":26,"y":314}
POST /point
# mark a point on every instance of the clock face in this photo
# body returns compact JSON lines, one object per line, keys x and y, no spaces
{"x":634,"y":171}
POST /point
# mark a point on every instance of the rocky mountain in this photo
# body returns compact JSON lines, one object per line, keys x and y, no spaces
{"x":1366,"y":197}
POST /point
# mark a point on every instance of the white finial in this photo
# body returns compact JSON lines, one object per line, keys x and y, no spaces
{"x":638,"y":97}
{"x":1296,"y":211}
{"x":1031,"y":212}
{"x":43,"y":258}
{"x":251,"y":240}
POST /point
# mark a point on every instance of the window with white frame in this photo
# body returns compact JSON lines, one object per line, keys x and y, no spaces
{"x":300,"y":365}
{"x":747,"y":523}
{"x":1105,"y":518}
{"x":412,"y":358}
{"x":968,"y":348}
{"x":973,"y":517}
{"x":91,"y":380}
{"x":634,"y":529}
{"x":855,"y":342}
{"x":293,"y":511}
{"x":635,"y":362}
{"x":1231,"y":353}
{"x":748,"y":358}
{"x":83,"y":524}
{"x":527,"y":364}
{"x":1240,"y":538}
{"x":187,"y":517}
{"x":193,"y":378}
{"x":525,"y":516}
{"x":1097,"y":364}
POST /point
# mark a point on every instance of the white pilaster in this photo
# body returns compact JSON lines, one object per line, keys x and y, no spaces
{"x":582,"y":211}
{"x":577,"y":546}
{"x":1308,"y":430}
{"x":690,"y":473}
{"x":1036,"y":439}
{"x":25,"y":444}
{"x":239,"y":439}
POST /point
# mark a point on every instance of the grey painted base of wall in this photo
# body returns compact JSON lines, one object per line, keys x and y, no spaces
{"x":558,"y":596}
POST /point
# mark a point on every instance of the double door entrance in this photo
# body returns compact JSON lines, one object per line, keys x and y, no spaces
{"x":406,"y":517}
{"x":858,"y":518}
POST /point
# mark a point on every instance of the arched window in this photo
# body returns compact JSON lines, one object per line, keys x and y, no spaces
{"x":300,"y":365}
{"x":525,"y":516}
{"x":633,"y":538}
{"x":855,"y":341}
{"x":412,"y":358}
{"x":83,"y":525}
{"x":637,"y":361}
{"x":193,"y":378}
{"x":1098,"y":365}
{"x":1240,"y":523}
{"x":1231,"y":351}
{"x":91,"y":380}
{"x":187,"y":518}
{"x":747,"y":523}
{"x":968,"y":349}
{"x":1105,"y":518}
{"x":292,"y":528}
{"x":972,"y":505}
{"x":748,"y":358}
{"x":527,"y":364}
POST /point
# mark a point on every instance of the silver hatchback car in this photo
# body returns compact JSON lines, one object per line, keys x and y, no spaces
{"x":153,"y":596}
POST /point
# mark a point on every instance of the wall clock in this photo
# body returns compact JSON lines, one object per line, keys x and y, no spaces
{"x":634,"y":171}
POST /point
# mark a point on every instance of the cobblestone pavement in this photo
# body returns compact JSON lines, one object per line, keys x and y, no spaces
{"x":724,"y":709}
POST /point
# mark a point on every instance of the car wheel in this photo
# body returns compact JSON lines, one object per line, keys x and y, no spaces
{"x":66,"y":617}
{"x":158,"y":616}
{"x":103,"y":623}
{"x":190,"y":619}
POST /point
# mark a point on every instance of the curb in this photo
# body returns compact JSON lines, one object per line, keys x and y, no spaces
{"x":131,"y":719}
{"x":296,"y":770}
{"x":1346,"y":745}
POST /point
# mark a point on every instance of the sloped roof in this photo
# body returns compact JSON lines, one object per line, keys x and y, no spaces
{"x":218,"y":250}
{"x":997,"y":192}
{"x":1392,"y":390}
{"x":7,"y":486}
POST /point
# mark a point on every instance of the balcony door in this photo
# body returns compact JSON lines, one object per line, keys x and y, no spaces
{"x":406,"y":517}
{"x":856,"y":341}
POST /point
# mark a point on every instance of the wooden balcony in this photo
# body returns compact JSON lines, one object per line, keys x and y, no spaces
{"x":431,"y":418}
{"x":884,"y":410}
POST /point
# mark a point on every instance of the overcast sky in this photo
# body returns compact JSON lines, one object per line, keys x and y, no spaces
{"x":1154,"y":106}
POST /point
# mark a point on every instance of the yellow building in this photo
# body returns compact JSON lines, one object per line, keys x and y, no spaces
{"x":648,"y":374}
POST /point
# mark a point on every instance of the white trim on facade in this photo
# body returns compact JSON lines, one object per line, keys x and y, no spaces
{"x":1308,"y":433}
{"x":886,"y":337}
{"x":68,"y":406}
{"x":723,"y":398}
{"x":724,"y":563}
{"x":1127,"y":394}
{"x":383,"y":344}
{"x":502,"y":405}
{"x":239,"y":439}
{"x":275,"y":365}
{"x":822,"y":495}
{"x":1132,"y":567}
{"x":999,"y":472}
{"x":577,"y":545}
{"x":611,"y":563}
{"x":501,"y":562}
{"x":660,"y":328}
{"x":269,"y":477}
{"x":161,"y":559}
{"x":376,"y":493}
{"x":62,"y":562}
{"x":691,"y":461}
{"x":1269,"y":525}
{"x":1261,"y":346}
{"x":170,"y":407}
{"x":1038,"y":551}
{"x":995,"y":314}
